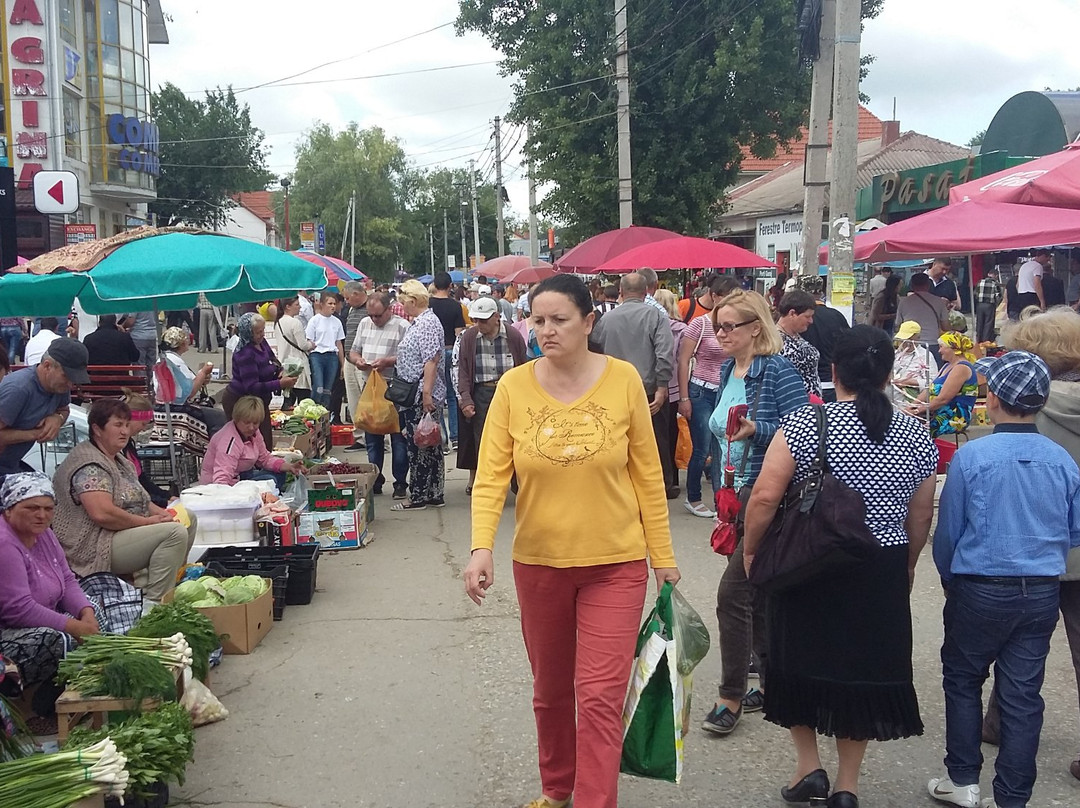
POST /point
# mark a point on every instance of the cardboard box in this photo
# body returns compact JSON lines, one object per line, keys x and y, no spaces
{"x":363,"y":481}
{"x":337,"y":530}
{"x":325,"y":498}
{"x":244,"y":624}
{"x":279,"y":534}
{"x":301,"y":443}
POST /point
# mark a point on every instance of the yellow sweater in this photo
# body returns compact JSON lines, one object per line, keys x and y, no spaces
{"x":591,"y":490}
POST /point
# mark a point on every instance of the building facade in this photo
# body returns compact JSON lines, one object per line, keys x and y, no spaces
{"x":76,"y":96}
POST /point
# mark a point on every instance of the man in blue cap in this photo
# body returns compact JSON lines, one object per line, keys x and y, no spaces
{"x":999,"y":555}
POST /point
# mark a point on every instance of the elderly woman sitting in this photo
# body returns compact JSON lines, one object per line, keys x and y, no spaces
{"x":189,"y":386}
{"x":238,"y":452}
{"x":950,"y":399}
{"x":914,"y":366}
{"x":106,"y":519}
{"x":38,"y":592}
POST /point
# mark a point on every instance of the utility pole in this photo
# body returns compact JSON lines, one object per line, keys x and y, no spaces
{"x":462,"y":207}
{"x":845,"y":148}
{"x":475,"y":215}
{"x":500,"y":236}
{"x":345,"y":229}
{"x":445,"y":243}
{"x":431,"y":246}
{"x":622,"y":82}
{"x":285,"y":183}
{"x":815,"y":167}
{"x":352,"y":247}
{"x":534,"y":235}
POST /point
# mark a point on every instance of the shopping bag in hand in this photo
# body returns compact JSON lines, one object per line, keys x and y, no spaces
{"x":656,"y":716}
{"x":374,"y":413}
{"x":427,"y":433}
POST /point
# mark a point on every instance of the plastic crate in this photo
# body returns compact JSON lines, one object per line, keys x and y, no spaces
{"x":302,"y":561}
{"x":155,"y":461}
{"x":279,"y":575}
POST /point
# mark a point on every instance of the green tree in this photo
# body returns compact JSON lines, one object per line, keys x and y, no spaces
{"x":976,"y":139}
{"x":330,"y":166}
{"x":209,"y":151}
{"x":706,"y":76}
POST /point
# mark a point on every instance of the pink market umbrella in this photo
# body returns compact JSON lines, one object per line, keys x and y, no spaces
{"x":591,"y":253}
{"x":336,"y":269}
{"x":1052,"y":181}
{"x":968,"y":228}
{"x":531,"y":274}
{"x":500,"y":268}
{"x":685,"y":252}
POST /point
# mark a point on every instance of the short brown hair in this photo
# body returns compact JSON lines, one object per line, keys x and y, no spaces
{"x":248,"y":409}
{"x":102,"y":411}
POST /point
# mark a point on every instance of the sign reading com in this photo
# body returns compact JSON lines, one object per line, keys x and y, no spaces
{"x":140,"y":141}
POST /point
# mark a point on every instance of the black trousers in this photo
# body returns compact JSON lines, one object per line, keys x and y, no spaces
{"x":662,"y":430}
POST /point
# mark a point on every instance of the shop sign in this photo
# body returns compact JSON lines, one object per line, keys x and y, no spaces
{"x":307,"y":235}
{"x":779,"y":234}
{"x":30,"y":116}
{"x":79,"y":233}
{"x":140,"y":141}
{"x":903,"y":189}
{"x":73,"y":67}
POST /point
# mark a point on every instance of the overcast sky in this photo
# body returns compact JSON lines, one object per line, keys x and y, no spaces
{"x":950,"y":64}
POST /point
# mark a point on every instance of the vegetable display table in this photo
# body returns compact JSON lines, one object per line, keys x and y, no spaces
{"x":72,"y":706}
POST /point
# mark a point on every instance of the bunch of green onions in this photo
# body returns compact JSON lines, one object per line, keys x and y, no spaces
{"x":63,"y":778}
{"x":81,"y":670}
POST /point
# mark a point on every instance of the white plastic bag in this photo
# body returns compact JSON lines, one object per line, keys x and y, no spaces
{"x":202,"y":705}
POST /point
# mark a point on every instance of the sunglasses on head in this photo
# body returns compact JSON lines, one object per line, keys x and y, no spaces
{"x":727,"y":328}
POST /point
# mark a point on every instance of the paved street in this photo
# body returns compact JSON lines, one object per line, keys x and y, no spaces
{"x":392,"y":690}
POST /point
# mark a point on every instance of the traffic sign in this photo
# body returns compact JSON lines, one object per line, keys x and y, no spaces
{"x":56,"y":192}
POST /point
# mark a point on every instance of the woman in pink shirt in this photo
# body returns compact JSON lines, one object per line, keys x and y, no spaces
{"x":38,"y":591}
{"x":238,"y":451}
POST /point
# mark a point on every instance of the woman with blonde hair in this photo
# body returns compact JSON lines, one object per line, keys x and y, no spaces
{"x":766,"y":387}
{"x":420,"y":360}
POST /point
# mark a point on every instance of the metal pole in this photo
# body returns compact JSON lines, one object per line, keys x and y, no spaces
{"x":445,"y":243}
{"x":816,"y":164}
{"x":168,"y":404}
{"x":500,"y":236}
{"x":352,"y":243}
{"x":431,"y":245}
{"x":345,"y":229}
{"x":285,"y":183}
{"x":622,"y":81}
{"x":845,"y":144}
{"x":475,"y":215}
{"x":462,"y":207}
{"x":534,"y":235}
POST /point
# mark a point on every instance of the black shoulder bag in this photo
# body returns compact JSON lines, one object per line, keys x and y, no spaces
{"x":401,"y":392}
{"x":820,"y":525}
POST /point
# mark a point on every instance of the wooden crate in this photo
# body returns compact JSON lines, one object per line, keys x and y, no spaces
{"x":72,"y":707}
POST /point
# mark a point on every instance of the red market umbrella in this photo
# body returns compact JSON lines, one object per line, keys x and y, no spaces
{"x":968,"y":228}
{"x":531,"y":274}
{"x":500,"y":268}
{"x":336,"y":269}
{"x":591,"y":253}
{"x":1052,"y":181}
{"x":684,"y":252}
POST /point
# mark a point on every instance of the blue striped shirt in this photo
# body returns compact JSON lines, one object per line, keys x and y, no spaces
{"x":781,"y":390}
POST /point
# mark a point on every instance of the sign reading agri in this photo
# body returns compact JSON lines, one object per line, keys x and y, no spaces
{"x":140,"y":141}
{"x":30,"y":108}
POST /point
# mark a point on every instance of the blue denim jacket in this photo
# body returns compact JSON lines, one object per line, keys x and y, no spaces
{"x":1010,"y":507}
{"x":775,"y":388}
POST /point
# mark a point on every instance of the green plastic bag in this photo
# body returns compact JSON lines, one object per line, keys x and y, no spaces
{"x":656,"y":715}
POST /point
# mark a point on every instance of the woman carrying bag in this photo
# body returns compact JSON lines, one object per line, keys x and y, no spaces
{"x":294,"y":347}
{"x":756,"y":378}
{"x":839,"y":644}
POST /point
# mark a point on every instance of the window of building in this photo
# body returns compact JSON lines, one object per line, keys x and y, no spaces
{"x":69,"y":22}
{"x":72,"y":127}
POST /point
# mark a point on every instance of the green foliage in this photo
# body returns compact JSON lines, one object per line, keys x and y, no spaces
{"x":134,"y":676}
{"x":167,"y":619}
{"x":976,"y":139}
{"x":209,"y":151}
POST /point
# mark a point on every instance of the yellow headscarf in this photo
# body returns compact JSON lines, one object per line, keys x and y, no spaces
{"x":959,"y":343}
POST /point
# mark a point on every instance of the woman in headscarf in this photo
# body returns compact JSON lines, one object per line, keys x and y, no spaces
{"x":256,"y":371}
{"x":190,"y":387}
{"x":43,"y":610}
{"x":951,"y":396}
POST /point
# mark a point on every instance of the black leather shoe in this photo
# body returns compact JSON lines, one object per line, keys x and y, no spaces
{"x":842,"y":799}
{"x":815,"y":784}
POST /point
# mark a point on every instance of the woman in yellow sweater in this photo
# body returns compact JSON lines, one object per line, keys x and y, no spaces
{"x":591,"y":507}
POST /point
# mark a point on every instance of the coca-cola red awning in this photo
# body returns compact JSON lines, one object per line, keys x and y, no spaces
{"x":968,"y":227}
{"x":1052,"y":181}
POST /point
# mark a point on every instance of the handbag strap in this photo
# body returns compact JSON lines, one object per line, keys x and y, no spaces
{"x":817,"y":470}
{"x":285,"y":337}
{"x":753,"y":417}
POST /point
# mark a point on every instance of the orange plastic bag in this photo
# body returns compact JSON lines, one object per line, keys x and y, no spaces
{"x":374,"y":413}
{"x":685,"y":446}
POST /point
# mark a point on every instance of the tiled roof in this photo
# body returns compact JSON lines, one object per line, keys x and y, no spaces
{"x":869,"y":129}
{"x":910,"y":150}
{"x":258,"y":202}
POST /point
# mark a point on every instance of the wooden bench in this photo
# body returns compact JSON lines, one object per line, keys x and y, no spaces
{"x":109,"y":381}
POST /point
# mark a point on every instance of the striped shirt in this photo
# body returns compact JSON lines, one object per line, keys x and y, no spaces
{"x":708,"y":356}
{"x":656,"y":304}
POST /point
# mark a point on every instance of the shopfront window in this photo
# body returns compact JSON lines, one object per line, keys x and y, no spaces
{"x":109,"y":11}
{"x":69,"y":22}
{"x":72,"y":127}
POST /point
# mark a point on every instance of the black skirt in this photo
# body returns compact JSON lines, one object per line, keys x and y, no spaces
{"x":840,"y":653}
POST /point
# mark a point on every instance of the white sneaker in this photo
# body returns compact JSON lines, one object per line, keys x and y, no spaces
{"x":945,"y":790}
{"x":701,"y":509}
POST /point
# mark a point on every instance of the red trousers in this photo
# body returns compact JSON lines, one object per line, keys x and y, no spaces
{"x":580,"y":626}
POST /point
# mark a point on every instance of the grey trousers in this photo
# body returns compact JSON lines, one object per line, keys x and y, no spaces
{"x":740,"y":616}
{"x":985,"y":316}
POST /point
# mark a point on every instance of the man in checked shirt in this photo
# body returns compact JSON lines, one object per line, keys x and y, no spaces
{"x":987,"y":299}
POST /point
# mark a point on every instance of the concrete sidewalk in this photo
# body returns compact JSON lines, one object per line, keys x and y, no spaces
{"x":393,"y":690}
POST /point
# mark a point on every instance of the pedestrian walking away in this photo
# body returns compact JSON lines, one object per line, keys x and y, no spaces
{"x":840,"y":643}
{"x":452,"y":318}
{"x":1000,"y":562}
{"x":573,"y":421}
{"x":987,"y":300}
{"x":756,"y":378}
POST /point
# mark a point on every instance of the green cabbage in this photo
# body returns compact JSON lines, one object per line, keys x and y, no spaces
{"x":189,"y":591}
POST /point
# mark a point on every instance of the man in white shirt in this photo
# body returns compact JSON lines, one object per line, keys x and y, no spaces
{"x":39,"y":343}
{"x":1029,"y":280}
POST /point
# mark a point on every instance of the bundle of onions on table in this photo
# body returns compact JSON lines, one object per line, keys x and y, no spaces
{"x":61,"y":779}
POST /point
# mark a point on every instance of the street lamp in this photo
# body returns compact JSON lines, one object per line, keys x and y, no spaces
{"x":285,"y":183}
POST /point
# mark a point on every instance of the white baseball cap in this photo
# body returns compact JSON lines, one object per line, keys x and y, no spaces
{"x":483,"y":308}
{"x":483,"y":289}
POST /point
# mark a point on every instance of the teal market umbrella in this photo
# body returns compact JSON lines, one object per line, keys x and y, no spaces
{"x":163,"y":271}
